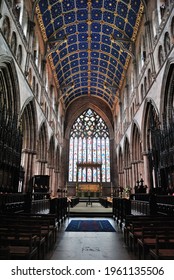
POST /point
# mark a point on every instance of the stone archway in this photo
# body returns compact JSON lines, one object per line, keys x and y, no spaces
{"x":29,"y":128}
{"x":151,"y":159}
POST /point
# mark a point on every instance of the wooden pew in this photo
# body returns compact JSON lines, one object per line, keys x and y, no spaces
{"x":42,"y":225}
{"x":32,"y":225}
{"x":19,"y":246}
{"x":136,"y":230}
{"x":148,"y":239}
{"x":22,"y":230}
{"x":132,"y":220}
{"x":164,"y":250}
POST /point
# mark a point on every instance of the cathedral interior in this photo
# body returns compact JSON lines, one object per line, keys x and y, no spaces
{"x":86,"y":117}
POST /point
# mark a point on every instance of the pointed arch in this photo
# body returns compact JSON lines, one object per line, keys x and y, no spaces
{"x":10,"y":133}
{"x":166,"y":164}
{"x":29,"y":126}
{"x":150,"y":111}
{"x":127,"y":162}
{"x":167,"y":94}
{"x":9,"y":85}
{"x":150,"y":126}
{"x":29,"y":130}
{"x":137,"y":155}
{"x":136,"y":143}
{"x":42,"y":148}
{"x":97,"y":110}
{"x":89,"y":142}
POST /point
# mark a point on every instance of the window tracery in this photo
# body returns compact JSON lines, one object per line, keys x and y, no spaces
{"x":89,"y":143}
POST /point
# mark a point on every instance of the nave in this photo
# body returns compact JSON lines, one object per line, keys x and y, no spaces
{"x":90,"y":245}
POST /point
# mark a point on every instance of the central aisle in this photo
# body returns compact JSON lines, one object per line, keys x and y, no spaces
{"x":90,"y":245}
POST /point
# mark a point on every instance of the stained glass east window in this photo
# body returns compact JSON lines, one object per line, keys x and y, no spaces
{"x":89,"y":143}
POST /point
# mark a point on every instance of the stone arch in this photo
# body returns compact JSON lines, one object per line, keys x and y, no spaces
{"x":10,"y":132}
{"x":42,"y":148}
{"x":150,"y":123}
{"x":29,"y":130}
{"x":127,"y":162}
{"x":167,"y":94}
{"x":97,"y":110}
{"x":166,"y":168}
{"x":137,"y":156}
{"x":149,"y":105}
{"x":10,"y":84}
{"x":135,"y":141}
{"x":89,"y":140}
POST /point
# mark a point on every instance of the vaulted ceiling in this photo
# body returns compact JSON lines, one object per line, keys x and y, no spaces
{"x":89,"y":44}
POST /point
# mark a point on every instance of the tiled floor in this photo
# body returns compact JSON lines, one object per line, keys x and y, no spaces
{"x":90,"y":245}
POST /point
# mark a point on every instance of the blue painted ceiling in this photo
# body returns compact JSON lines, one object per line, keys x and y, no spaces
{"x":89,"y":44}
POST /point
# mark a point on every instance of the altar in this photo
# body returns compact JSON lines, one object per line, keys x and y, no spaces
{"x":89,"y":189}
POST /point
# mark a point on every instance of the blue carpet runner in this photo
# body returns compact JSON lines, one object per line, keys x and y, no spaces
{"x":90,"y":226}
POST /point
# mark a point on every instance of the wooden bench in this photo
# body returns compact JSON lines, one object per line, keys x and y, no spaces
{"x":131,"y":219}
{"x":164,"y":250}
{"x":148,"y":239}
{"x":44,"y":226}
{"x":19,"y":246}
{"x":9,"y":230}
{"x":136,"y":230}
{"x":49,"y":217}
{"x":39,"y":229}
